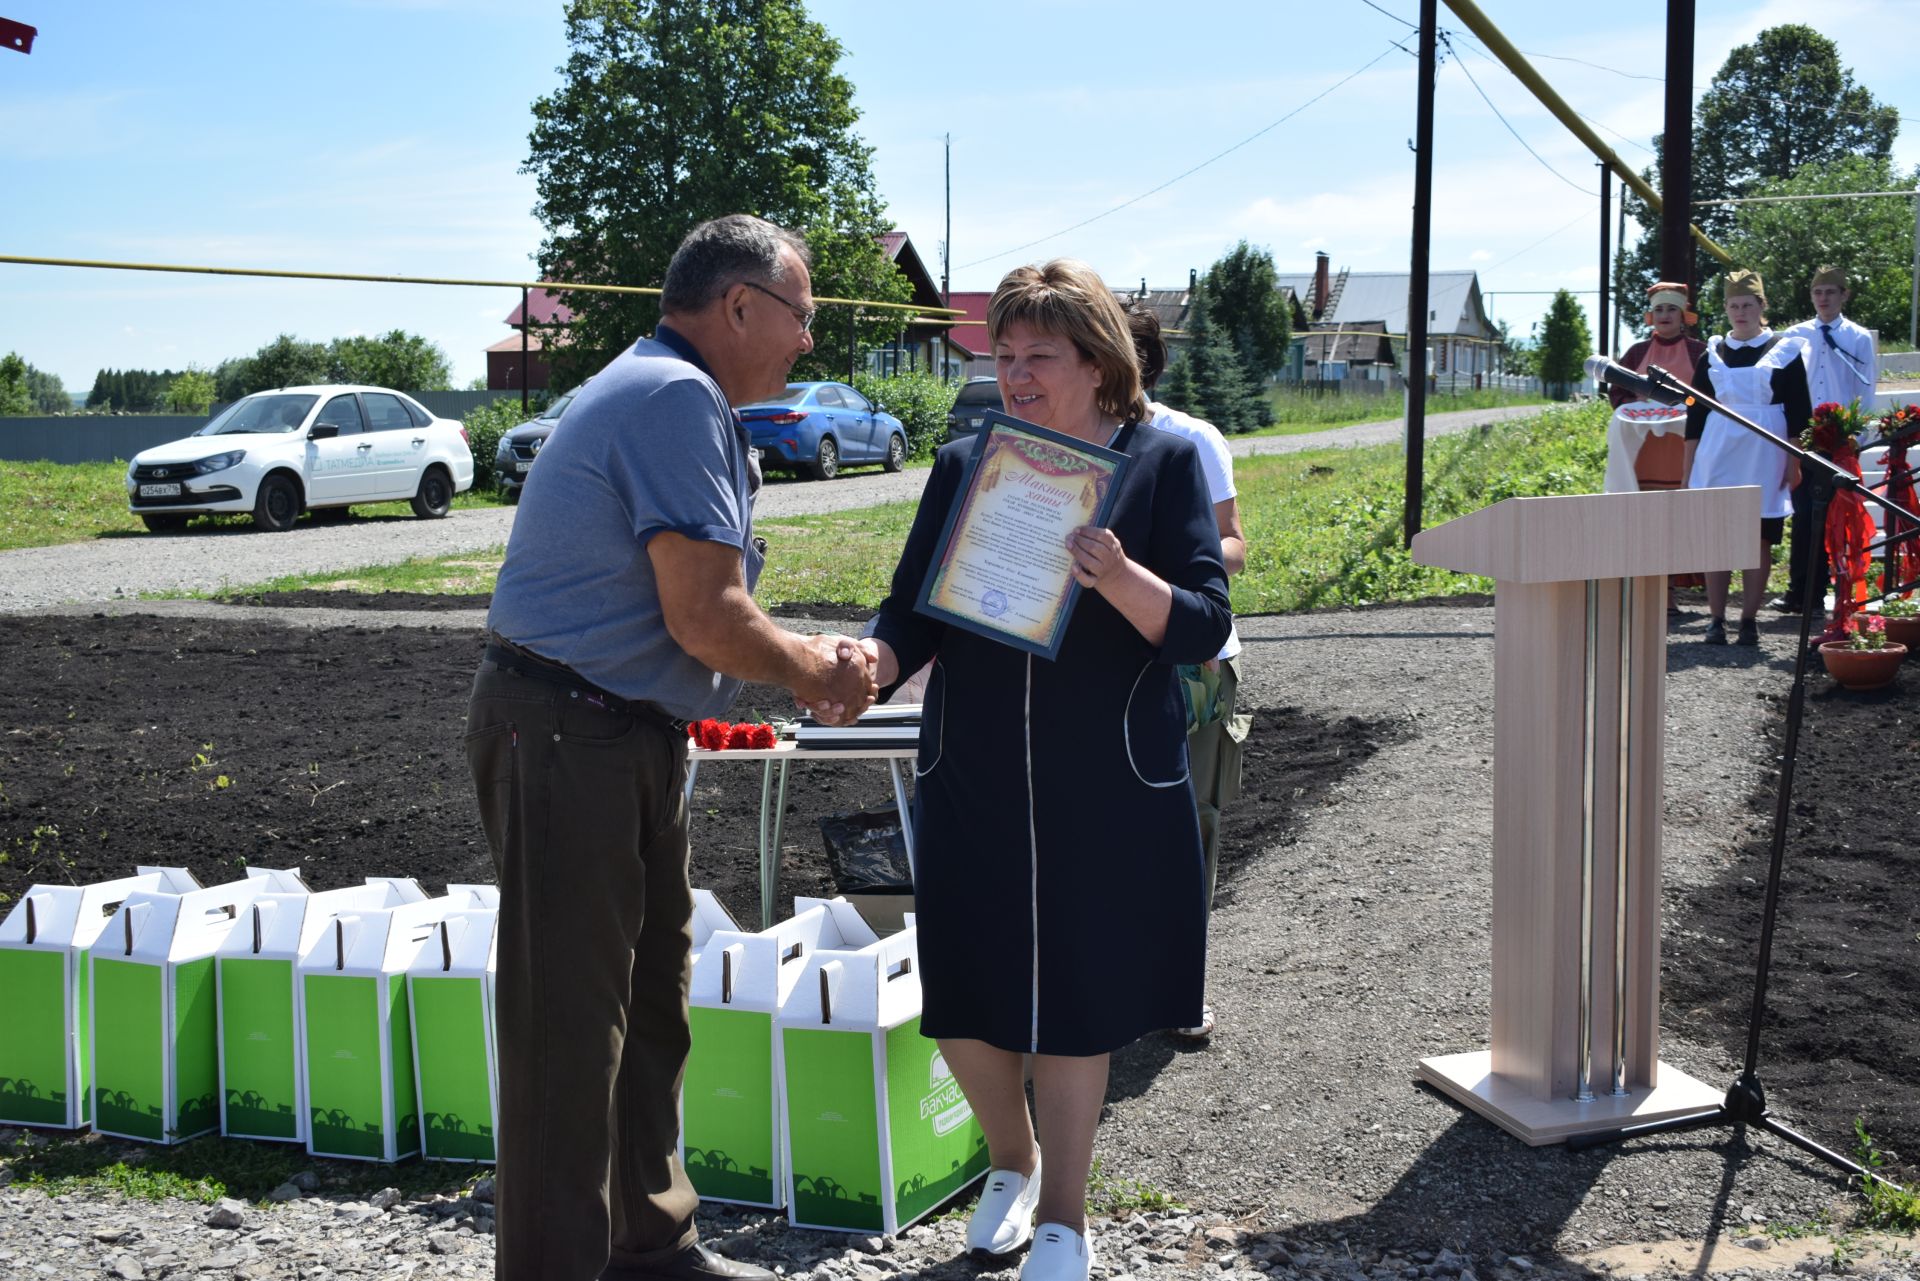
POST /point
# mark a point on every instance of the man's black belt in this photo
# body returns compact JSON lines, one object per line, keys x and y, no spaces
{"x":507,"y":656}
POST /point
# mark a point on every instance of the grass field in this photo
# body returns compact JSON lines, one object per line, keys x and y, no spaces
{"x":1323,"y":527}
{"x":46,"y":503}
{"x":1295,"y":413}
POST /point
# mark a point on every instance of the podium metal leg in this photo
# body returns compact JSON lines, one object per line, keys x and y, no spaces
{"x":1622,"y":830}
{"x":1583,"y":1063}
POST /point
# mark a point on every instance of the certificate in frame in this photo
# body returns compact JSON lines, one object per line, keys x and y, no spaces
{"x":1001,"y":567}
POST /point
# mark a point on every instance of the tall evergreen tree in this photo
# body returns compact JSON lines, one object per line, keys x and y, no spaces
{"x":1221,"y":391}
{"x":1565,"y":343}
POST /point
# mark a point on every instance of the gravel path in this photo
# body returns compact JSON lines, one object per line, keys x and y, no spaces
{"x":120,"y":567}
{"x":1353,"y":945}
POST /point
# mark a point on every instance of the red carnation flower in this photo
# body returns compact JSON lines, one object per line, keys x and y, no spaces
{"x":713,"y":735}
{"x":763,"y":737}
{"x":740,"y":737}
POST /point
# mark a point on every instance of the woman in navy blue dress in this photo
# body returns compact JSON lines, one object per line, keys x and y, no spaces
{"x":1059,"y":884}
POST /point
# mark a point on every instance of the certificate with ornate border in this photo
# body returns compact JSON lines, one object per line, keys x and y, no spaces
{"x":1001,"y":567}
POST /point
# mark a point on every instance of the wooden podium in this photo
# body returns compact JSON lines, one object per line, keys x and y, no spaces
{"x":1578,"y":789}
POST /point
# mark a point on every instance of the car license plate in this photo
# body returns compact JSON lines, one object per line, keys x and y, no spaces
{"x":159,"y":491}
{"x":520,"y":469}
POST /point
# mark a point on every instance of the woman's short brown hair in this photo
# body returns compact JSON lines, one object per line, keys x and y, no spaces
{"x":1067,"y":298}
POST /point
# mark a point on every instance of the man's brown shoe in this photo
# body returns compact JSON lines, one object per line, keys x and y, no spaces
{"x":695,"y":1263}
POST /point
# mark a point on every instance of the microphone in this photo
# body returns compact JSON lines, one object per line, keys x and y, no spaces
{"x":1602,"y":370}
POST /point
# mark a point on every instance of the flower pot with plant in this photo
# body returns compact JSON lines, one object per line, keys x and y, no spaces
{"x":1902,"y":615}
{"x":1865,"y":660}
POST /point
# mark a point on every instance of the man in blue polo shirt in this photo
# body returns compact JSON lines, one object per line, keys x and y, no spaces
{"x":623,"y":610}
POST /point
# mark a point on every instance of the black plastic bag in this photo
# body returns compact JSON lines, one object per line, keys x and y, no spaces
{"x":867,"y":851}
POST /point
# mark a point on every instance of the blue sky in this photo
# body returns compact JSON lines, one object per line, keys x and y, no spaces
{"x":385,"y":136}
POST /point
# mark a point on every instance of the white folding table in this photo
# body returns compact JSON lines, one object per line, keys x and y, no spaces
{"x":773,"y":801}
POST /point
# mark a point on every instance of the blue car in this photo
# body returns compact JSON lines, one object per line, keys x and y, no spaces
{"x":818,"y":428}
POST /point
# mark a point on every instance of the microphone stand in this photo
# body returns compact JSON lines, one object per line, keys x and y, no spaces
{"x":1745,"y":1103}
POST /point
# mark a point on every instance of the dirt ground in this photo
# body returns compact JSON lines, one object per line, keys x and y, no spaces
{"x":218,"y":744}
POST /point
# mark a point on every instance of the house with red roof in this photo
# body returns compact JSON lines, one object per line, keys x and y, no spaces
{"x":923,"y":342}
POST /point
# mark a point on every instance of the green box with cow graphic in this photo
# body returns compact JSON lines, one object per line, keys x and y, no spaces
{"x":731,"y":1110}
{"x":355,"y":1026}
{"x":878,"y":1131}
{"x":45,"y":941}
{"x":262,"y":1093}
{"x":155,"y":1030}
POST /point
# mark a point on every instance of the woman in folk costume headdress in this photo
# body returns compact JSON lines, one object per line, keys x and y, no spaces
{"x":1762,"y":376}
{"x":1646,"y":441}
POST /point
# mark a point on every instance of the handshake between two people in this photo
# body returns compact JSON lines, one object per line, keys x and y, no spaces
{"x":844,"y":677}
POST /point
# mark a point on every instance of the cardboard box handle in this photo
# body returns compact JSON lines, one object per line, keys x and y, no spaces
{"x":726,"y":977}
{"x":256,"y":929}
{"x":900,"y":969}
{"x":793,"y":953}
{"x":446,"y":946}
{"x":829,"y":979}
{"x":33,"y":927}
{"x":135,"y":911}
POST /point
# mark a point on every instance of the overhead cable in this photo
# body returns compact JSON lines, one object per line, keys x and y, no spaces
{"x":1510,"y":129}
{"x":1186,"y":173}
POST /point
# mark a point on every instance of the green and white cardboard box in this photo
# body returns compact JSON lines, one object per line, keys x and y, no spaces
{"x":156,"y":1038}
{"x":261,"y":1090}
{"x":45,"y":1064}
{"x":355,"y":1033}
{"x":730,"y":1106}
{"x":878,"y":1132}
{"x":450,"y":1000}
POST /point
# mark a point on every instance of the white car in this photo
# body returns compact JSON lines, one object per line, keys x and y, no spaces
{"x":278,"y":453}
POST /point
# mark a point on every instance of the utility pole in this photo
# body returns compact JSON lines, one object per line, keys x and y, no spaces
{"x":1416,"y":447}
{"x":1676,"y":158}
{"x":1604,"y":334}
{"x":946,"y":246}
{"x":1620,"y":239}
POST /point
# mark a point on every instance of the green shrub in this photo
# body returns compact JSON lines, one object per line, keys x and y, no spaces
{"x":919,"y":400}
{"x":486,"y":425}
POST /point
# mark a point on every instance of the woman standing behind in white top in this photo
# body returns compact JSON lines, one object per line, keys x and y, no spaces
{"x":1213,"y":745}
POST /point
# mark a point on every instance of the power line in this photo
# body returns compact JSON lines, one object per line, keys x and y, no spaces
{"x":1396,"y":17}
{"x":1503,"y":120}
{"x":1536,"y":244}
{"x":1187,"y":173}
{"x":1812,"y":195}
{"x":1632,"y":142}
{"x":1710,"y":87}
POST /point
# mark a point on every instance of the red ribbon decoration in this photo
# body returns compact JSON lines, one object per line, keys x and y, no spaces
{"x":1902,"y":562}
{"x":1849,"y":533}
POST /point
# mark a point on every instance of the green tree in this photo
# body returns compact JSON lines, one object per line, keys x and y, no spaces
{"x":1779,"y":103}
{"x":48,"y":392}
{"x":1565,"y":343}
{"x":1871,"y":239}
{"x":1243,"y":299}
{"x":15,"y":396}
{"x":1220,"y":390}
{"x":190,"y":392}
{"x":397,"y":359}
{"x":284,"y":362}
{"x":675,"y":111}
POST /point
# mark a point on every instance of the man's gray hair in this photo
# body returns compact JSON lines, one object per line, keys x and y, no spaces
{"x":722,"y":252}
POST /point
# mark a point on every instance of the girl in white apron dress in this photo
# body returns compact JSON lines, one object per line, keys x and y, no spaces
{"x":1727,"y":454}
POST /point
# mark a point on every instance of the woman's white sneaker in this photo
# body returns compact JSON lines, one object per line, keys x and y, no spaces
{"x":1059,"y":1254}
{"x":1003,"y":1221}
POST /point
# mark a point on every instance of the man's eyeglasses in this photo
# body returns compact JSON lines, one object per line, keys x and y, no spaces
{"x":801,"y":314}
